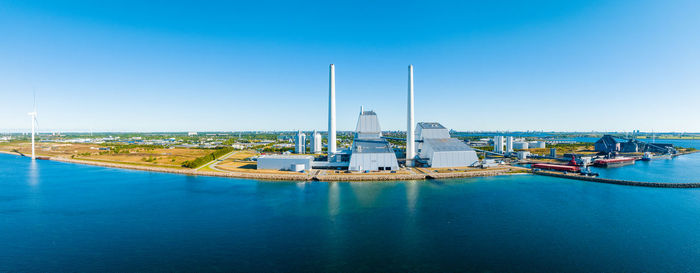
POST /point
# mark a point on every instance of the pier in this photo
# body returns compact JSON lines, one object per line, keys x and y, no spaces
{"x":617,"y":181}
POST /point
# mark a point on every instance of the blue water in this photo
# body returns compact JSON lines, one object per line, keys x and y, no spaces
{"x":64,"y":217}
{"x":681,"y":169}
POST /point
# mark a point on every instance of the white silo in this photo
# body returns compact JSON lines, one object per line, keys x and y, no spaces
{"x":316,"y":144}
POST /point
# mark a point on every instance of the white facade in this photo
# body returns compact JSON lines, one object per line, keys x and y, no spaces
{"x":498,"y":144}
{"x":509,"y":144}
{"x":316,"y":144}
{"x":373,"y":162}
{"x":523,"y":154}
{"x":427,"y":130}
{"x":331,"y":112}
{"x":448,"y":152}
{"x":536,"y":144}
{"x":440,"y":150}
{"x":411,"y":126}
{"x":370,"y":152}
{"x":299,"y":167}
{"x":300,"y":143}
{"x":520,"y":145}
{"x":284,"y":162}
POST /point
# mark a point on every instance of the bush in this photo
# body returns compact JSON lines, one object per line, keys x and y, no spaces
{"x":207,"y":158}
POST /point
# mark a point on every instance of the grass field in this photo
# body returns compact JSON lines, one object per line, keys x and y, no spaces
{"x":146,"y":156}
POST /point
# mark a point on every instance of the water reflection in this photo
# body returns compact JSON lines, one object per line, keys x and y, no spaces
{"x":367,"y":193}
{"x":33,"y":173}
{"x":411,"y":195}
{"x":333,"y":199}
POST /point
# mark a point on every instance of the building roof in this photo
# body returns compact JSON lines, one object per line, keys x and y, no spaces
{"x":607,"y":140}
{"x":427,"y":130}
{"x":430,"y":125}
{"x":372,"y":146}
{"x":446,"y":144}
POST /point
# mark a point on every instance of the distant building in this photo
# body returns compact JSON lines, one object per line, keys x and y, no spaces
{"x":509,"y":144}
{"x":537,"y":145}
{"x":300,"y":143}
{"x":498,"y":144}
{"x":607,"y":144}
{"x":192,"y":134}
{"x":520,"y":145}
{"x":316,"y":144}
{"x":523,"y":154}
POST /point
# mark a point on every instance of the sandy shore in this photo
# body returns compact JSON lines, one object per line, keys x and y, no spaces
{"x":297,"y":177}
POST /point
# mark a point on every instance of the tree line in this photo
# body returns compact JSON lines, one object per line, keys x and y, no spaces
{"x":207,"y":158}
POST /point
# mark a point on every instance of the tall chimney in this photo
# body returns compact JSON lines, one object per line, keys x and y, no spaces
{"x":411,"y":126}
{"x":331,"y":113}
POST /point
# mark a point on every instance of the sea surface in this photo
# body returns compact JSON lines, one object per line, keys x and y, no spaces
{"x":58,"y":216}
{"x":680,"y":169}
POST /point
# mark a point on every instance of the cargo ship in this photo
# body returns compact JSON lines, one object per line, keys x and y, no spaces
{"x":614,"y":162}
{"x":556,"y":167}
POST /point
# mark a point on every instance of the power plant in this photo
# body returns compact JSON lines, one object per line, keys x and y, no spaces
{"x":429,"y":146}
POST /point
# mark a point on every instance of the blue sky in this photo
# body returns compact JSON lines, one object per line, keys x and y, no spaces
{"x":263,"y":65}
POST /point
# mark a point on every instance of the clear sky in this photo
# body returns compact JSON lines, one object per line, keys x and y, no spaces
{"x":263,"y":65}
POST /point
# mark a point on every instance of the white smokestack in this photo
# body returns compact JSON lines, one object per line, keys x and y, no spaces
{"x":411,"y":126}
{"x":331,"y":113}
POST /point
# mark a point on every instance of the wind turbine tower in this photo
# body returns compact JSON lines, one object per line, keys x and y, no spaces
{"x":33,"y":117}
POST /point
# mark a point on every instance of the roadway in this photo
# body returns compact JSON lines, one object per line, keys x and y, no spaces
{"x":212,"y":164}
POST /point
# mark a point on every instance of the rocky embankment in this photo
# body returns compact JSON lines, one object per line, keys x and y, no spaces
{"x":300,"y":176}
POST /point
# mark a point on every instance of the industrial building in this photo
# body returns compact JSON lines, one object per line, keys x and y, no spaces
{"x":522,"y":155}
{"x":438,"y":150}
{"x":431,"y":145}
{"x":537,"y":145}
{"x":285,"y":162}
{"x":607,"y":144}
{"x":369,"y":151}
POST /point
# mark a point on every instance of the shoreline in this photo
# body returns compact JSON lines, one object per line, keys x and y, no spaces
{"x":314,"y":176}
{"x":299,"y":177}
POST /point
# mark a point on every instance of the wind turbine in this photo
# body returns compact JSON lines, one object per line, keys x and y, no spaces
{"x":34,"y":125}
